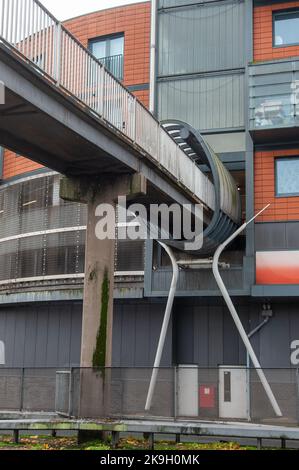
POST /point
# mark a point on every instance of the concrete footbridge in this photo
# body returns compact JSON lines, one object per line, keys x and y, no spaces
{"x":64,"y":110}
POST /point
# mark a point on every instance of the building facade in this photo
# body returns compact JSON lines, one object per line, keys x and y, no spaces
{"x":230,"y":69}
{"x":42,"y":241}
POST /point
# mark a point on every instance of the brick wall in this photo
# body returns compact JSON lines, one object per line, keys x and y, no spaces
{"x":134,"y":22}
{"x":263,"y":34}
{"x":14,"y":165}
{"x":282,"y":208}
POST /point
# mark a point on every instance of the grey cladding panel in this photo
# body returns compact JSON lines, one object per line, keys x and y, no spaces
{"x":137,"y":327}
{"x":204,"y":333}
{"x":201,"y":340}
{"x":277,"y":236}
{"x":41,"y":336}
{"x":205,"y":103}
{"x":184,"y":331}
{"x":275,"y":340}
{"x":198,"y":39}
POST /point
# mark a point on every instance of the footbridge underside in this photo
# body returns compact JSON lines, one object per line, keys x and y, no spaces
{"x":41,"y":123}
{"x":68,"y":113}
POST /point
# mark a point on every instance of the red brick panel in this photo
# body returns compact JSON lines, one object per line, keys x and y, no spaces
{"x":15,"y":165}
{"x":134,"y":22}
{"x":282,"y":208}
{"x":263,"y":34}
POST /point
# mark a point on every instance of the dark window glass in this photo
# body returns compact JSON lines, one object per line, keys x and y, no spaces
{"x":286,"y":28}
{"x":287,"y":176}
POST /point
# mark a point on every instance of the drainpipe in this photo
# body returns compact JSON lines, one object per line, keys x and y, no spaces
{"x":153,"y":57}
{"x":236,"y":318}
{"x":165,"y":324}
{"x":250,"y":335}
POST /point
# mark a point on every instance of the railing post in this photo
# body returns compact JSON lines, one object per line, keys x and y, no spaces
{"x":158,"y":142}
{"x":102,"y":92}
{"x":2,"y":21}
{"x":135,"y":120}
{"x":57,"y":73}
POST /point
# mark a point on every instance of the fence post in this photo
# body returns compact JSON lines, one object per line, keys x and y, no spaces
{"x":175,"y":393}
{"x":22,"y":390}
{"x":70,"y":410}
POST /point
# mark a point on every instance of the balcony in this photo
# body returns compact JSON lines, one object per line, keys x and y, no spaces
{"x":115,"y":65}
{"x":274,"y":101}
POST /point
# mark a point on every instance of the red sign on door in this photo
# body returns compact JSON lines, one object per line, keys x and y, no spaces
{"x":207,"y":396}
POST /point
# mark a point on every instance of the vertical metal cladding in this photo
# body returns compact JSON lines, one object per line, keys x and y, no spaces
{"x":203,"y":84}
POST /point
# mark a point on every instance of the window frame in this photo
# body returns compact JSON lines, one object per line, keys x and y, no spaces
{"x":105,"y":38}
{"x":275,"y":14}
{"x":277,"y":160}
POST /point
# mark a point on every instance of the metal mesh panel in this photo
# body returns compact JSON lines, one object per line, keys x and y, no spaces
{"x":62,"y":395}
{"x":181,"y":392}
{"x":10,"y":389}
{"x":31,"y":213}
{"x":130,"y":255}
{"x":38,"y":392}
{"x":8,"y":260}
{"x":42,"y":235}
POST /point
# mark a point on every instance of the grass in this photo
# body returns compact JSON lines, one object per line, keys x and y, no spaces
{"x":46,"y":443}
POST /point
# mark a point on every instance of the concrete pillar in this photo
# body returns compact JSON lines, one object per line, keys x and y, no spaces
{"x":96,"y":345}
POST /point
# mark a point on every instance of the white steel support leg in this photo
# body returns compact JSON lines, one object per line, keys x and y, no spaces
{"x":164,"y":328}
{"x":236,"y":318}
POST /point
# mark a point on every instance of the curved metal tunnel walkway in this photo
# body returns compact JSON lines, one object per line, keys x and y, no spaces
{"x":226,"y":217}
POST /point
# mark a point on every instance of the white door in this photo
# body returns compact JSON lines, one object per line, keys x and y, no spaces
{"x":233,"y":392}
{"x":187,"y":390}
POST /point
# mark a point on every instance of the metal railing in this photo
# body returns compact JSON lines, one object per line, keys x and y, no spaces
{"x":274,"y":94}
{"x":27,"y":28}
{"x":115,"y":65}
{"x":224,"y":393}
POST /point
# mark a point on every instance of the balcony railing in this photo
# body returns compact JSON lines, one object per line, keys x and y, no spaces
{"x":115,"y":65}
{"x":274,"y":94}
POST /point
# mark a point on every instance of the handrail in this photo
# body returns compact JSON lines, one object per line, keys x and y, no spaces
{"x":28,"y":27}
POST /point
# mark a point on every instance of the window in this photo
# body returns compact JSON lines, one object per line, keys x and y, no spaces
{"x":110,"y":51}
{"x":287,"y":176}
{"x":286,"y":28}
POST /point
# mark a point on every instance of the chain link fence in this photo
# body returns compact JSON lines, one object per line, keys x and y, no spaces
{"x":224,"y":393}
